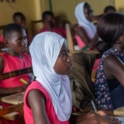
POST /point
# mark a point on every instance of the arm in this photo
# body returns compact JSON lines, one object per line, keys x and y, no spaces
{"x":37,"y":106}
{"x":8,"y":91}
{"x":113,"y":68}
{"x":79,"y":118}
{"x":91,"y":118}
{"x":82,"y":34}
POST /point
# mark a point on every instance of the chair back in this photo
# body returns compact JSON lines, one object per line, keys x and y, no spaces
{"x":15,"y":73}
{"x":69,"y":38}
{"x":33,"y":23}
{"x":81,"y":83}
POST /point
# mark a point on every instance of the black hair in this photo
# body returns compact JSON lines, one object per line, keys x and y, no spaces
{"x":21,"y":15}
{"x":110,"y":27}
{"x":108,"y":8}
{"x":101,"y":46}
{"x":86,"y":4}
{"x":10,"y":28}
{"x":46,"y":13}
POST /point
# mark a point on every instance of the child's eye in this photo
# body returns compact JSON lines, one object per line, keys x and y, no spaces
{"x":64,"y":53}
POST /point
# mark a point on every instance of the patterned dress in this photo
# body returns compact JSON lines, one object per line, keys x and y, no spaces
{"x":103,"y":95}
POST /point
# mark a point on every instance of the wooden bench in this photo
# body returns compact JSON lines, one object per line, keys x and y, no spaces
{"x":10,"y":113}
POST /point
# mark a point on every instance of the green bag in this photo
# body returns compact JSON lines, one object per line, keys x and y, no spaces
{"x":81,"y":84}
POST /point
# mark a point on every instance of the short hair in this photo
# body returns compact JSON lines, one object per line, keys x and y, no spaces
{"x":46,"y":13}
{"x":21,"y":15}
{"x":86,"y":4}
{"x":10,"y":28}
{"x":110,"y":27}
{"x":108,"y":8}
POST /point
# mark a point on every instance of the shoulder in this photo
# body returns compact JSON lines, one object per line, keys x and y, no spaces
{"x":35,"y":85}
{"x":26,"y":54}
{"x":1,"y":59}
{"x":42,"y":29}
{"x":1,"y":39}
{"x":80,"y":29}
{"x":1,"y":64}
{"x":112,"y":61}
{"x":34,"y":91}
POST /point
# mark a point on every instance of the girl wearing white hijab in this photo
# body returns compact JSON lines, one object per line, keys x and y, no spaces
{"x":86,"y":34}
{"x":48,"y":99}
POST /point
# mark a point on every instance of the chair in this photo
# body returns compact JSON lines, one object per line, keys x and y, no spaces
{"x":10,"y":113}
{"x":69,"y":38}
{"x":15,"y":73}
{"x":33,"y":23}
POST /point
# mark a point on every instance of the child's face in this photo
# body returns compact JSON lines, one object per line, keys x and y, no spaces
{"x":16,"y":42}
{"x":88,"y":13}
{"x":50,"y":19}
{"x":18,"y":20}
{"x":63,"y":63}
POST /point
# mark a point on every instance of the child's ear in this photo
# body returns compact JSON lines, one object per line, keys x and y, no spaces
{"x":7,"y":42}
{"x":120,"y":39}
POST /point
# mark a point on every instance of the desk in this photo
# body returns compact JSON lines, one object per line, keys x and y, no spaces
{"x":13,"y":99}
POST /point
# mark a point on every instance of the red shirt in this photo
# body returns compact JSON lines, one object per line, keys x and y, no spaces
{"x":57,"y":30}
{"x":28,"y":115}
{"x":1,"y":39}
{"x":12,"y":63}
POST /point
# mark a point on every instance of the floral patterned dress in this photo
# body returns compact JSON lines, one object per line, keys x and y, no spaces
{"x":103,"y":94}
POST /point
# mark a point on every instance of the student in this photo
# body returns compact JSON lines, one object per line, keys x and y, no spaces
{"x":86,"y":34}
{"x":20,"y":19}
{"x":51,"y":93}
{"x":50,"y":24}
{"x":110,"y":75}
{"x":14,"y":59}
{"x":109,"y":9}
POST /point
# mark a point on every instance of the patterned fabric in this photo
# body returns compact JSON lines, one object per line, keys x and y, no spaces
{"x":101,"y":86}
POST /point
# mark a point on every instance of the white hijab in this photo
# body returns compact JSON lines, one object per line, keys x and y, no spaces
{"x":44,"y":51}
{"x":82,"y":21}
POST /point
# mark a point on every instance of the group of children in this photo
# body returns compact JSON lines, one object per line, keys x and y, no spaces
{"x":48,"y":99}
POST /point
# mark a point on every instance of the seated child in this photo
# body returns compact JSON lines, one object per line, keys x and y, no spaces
{"x":14,"y":59}
{"x":50,"y":24}
{"x":19,"y":19}
{"x":51,"y":93}
{"x":109,"y":84}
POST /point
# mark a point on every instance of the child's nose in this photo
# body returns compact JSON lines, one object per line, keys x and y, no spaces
{"x":23,"y":43}
{"x":69,"y":58}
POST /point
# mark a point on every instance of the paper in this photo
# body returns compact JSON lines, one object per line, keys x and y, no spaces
{"x":121,"y":119}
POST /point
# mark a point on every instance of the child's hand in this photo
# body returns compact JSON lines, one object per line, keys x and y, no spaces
{"x":90,"y":114}
{"x":102,"y":113}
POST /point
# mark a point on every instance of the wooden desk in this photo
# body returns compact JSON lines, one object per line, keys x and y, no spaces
{"x":13,"y":99}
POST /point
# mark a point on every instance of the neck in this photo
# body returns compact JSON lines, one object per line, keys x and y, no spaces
{"x":119,"y":48}
{"x":14,"y":54}
{"x":48,"y":26}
